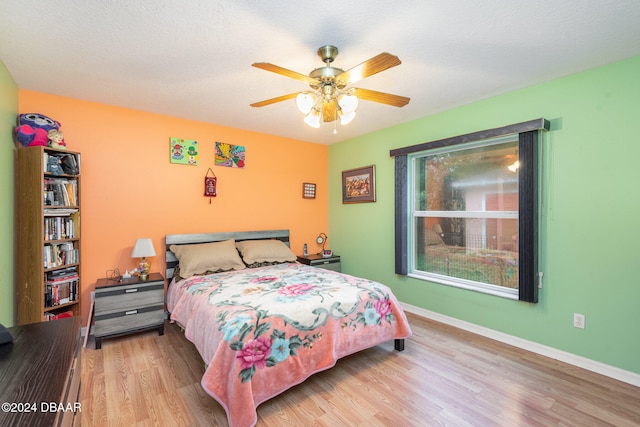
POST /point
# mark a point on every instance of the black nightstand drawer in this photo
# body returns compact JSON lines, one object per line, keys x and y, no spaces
{"x":125,"y":297}
{"x":129,"y":320}
{"x":329,"y":263}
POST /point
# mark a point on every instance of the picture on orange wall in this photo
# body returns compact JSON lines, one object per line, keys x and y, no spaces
{"x":183,"y":151}
{"x":228,"y":155}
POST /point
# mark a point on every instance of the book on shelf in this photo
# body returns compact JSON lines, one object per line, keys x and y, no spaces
{"x":61,"y":272}
{"x":71,"y":193}
{"x":56,"y":280}
{"x":60,"y":192}
{"x":56,"y":316}
{"x":61,"y":286}
{"x":59,"y":254}
{"x":59,"y":228}
{"x":58,"y":293}
{"x":59,"y":211}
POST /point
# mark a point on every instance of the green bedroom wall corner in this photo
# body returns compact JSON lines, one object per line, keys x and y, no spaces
{"x":8,"y":113}
{"x":588,"y":207}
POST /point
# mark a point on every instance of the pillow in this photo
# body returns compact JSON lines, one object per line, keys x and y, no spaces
{"x":432,"y":238}
{"x":203,"y":257}
{"x":254,"y":251}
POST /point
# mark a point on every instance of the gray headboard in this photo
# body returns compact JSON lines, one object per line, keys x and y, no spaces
{"x":189,"y":239}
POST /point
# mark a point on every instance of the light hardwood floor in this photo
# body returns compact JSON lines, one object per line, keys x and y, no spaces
{"x":445,"y":377}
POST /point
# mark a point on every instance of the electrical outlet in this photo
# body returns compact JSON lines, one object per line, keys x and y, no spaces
{"x":578,"y":320}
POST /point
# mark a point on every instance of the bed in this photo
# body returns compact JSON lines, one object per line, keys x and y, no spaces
{"x":263,"y":322}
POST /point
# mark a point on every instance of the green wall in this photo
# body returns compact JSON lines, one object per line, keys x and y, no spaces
{"x":589,"y":207}
{"x":8,"y":112}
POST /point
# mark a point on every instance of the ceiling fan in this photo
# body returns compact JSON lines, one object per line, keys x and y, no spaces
{"x":330,"y":97}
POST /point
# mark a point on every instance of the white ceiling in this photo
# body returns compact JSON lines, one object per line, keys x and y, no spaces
{"x":192,"y":59}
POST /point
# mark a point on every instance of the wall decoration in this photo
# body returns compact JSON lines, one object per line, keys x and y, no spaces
{"x":183,"y":151}
{"x":359,"y":185}
{"x":210,"y":183}
{"x":229,"y":155}
{"x":308,"y":190}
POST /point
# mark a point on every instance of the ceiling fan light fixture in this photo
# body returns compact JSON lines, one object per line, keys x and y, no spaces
{"x":305,"y":102}
{"x":348,"y":103}
{"x":313,"y":118}
{"x":346,"y":118}
{"x":330,"y":95}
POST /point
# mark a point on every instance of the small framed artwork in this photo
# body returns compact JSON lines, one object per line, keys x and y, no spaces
{"x":183,"y":151}
{"x":231,"y":156}
{"x":359,"y":185}
{"x":308,"y":190}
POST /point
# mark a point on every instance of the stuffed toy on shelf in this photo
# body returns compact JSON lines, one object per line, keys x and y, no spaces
{"x":33,"y":129}
{"x":53,"y":165}
{"x":56,"y":139}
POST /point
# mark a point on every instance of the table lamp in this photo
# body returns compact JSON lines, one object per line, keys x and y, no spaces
{"x":142,"y":249}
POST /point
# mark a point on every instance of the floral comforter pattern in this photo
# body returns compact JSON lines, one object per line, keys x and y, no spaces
{"x":263,"y":330}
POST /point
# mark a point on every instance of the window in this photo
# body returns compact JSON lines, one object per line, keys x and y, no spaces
{"x":464,"y":215}
{"x":466,"y":211}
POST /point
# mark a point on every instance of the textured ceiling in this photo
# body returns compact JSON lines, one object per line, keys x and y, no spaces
{"x":192,"y":59}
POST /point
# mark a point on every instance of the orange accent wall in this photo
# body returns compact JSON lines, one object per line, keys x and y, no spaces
{"x":130,"y":189}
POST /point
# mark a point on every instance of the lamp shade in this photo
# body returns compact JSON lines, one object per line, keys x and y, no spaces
{"x":305,"y":102}
{"x":143,"y":248}
{"x":313,"y":119}
{"x":348,"y":103}
{"x":346,"y":118}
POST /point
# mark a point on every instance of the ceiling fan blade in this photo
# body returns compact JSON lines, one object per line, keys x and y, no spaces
{"x":381,"y":97}
{"x":329,"y":111}
{"x":274,"y":100}
{"x":378,"y":63}
{"x":285,"y":72}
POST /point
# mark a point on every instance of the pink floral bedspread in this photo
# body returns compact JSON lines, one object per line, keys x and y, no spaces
{"x":263,"y":330}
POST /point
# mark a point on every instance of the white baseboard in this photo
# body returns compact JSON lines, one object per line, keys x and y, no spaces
{"x":563,"y":356}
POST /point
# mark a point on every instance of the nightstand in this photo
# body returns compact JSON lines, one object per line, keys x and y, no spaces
{"x":128,"y":306}
{"x":317,"y":260}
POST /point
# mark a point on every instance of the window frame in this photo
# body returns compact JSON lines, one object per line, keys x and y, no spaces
{"x":528,"y":147}
{"x":416,"y":186}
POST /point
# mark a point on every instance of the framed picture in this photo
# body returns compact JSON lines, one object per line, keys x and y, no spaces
{"x":359,"y":185}
{"x":229,"y":155}
{"x":308,"y":190}
{"x":183,"y":151}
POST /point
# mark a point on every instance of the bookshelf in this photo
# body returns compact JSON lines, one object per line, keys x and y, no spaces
{"x":48,"y":236}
